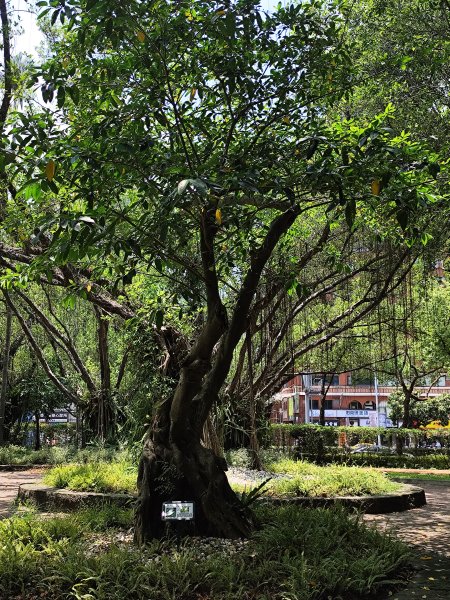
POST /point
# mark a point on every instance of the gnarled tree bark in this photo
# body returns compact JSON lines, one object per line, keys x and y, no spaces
{"x":175,"y":465}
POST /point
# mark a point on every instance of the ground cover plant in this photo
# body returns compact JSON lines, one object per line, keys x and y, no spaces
{"x":306,"y":479}
{"x":20,"y":455}
{"x":55,"y":455}
{"x":297,"y":553}
{"x":301,"y":479}
{"x":94,"y":477}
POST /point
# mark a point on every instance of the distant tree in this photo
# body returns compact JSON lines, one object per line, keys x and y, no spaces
{"x":422,"y":410}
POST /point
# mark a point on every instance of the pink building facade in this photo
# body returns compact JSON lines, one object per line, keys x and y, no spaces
{"x":345,"y":404}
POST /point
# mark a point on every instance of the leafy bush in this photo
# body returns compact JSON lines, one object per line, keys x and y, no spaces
{"x":20,"y":455}
{"x":238,"y":458}
{"x":285,"y":434}
{"x":298,"y":553}
{"x":407,"y":461}
{"x":304,"y":479}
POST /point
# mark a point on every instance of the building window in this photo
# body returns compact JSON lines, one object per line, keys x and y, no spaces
{"x":369,"y":405}
{"x":355,"y":405}
{"x":349,"y":380}
{"x":318,"y":380}
{"x":328,"y":404}
{"x":441,"y":381}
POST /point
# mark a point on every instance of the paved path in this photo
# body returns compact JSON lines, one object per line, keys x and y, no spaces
{"x":427,"y":531}
{"x":9,"y":485}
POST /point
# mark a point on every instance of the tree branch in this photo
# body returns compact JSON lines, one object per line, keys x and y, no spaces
{"x":38,"y":352}
{"x":7,"y":78}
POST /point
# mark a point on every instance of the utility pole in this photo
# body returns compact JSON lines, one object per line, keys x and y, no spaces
{"x":307,"y":382}
{"x":377,"y":406}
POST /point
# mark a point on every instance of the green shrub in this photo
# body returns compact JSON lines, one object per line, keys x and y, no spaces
{"x":307,"y":436}
{"x":366,"y":459}
{"x":238,"y":458}
{"x":298,"y":553}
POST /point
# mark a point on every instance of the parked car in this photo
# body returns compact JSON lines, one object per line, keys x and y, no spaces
{"x":368,"y":448}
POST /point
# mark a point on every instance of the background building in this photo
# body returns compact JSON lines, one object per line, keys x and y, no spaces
{"x":345,"y":404}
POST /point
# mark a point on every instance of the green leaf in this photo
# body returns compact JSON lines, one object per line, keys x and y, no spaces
{"x":183,"y":185}
{"x":74,"y":94}
{"x":433,"y":169}
{"x":61,"y":96}
{"x":159,"y":318}
{"x":402,"y":218}
{"x":52,"y":185}
{"x":199,"y":186}
{"x":54,"y":16}
{"x":350,"y":213}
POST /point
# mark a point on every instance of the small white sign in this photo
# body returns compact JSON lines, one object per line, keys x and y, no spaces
{"x":177,"y":511}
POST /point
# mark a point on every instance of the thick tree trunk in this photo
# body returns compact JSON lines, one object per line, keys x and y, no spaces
{"x":253,"y":434}
{"x":323,"y":396}
{"x":4,"y":388}
{"x":37,"y":431}
{"x":407,"y":409}
{"x":211,"y":439}
{"x":102,"y":417}
{"x":174,"y":464}
{"x":184,"y":469}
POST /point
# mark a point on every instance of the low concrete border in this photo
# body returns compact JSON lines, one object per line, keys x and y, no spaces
{"x":19,"y":467}
{"x":418,"y":481}
{"x":407,"y":498}
{"x":50,"y":497}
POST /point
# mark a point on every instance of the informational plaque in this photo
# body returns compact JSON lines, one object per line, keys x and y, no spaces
{"x":177,"y":510}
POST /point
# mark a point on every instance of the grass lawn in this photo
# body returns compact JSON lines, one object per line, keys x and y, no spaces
{"x":298,"y":553}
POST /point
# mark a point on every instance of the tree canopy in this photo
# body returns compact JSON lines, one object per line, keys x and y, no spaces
{"x":192,"y":170}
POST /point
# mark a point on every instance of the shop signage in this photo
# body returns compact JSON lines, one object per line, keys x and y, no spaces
{"x":363,"y":414}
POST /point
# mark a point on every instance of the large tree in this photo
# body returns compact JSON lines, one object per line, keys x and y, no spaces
{"x":187,"y":140}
